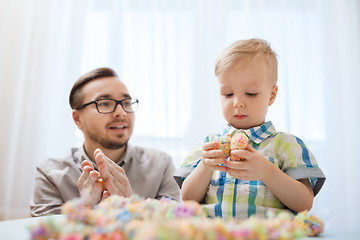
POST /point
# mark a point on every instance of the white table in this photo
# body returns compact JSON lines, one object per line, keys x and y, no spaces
{"x":17,"y":230}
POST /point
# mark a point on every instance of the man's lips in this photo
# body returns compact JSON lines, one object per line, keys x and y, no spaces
{"x":118,"y":126}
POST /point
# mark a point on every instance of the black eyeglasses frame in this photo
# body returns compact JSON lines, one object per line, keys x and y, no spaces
{"x":117,"y":102}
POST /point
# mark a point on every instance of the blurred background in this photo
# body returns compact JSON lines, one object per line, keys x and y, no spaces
{"x":164,"y":51}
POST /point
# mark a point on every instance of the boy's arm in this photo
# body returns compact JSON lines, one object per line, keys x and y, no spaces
{"x":196,"y":184}
{"x":295,"y":194}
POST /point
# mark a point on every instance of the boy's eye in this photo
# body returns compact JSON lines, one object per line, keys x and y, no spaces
{"x":228,"y":95}
{"x":251,"y":94}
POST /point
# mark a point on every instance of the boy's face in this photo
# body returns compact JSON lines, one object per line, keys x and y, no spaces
{"x":246,"y":91}
{"x":112,"y":130}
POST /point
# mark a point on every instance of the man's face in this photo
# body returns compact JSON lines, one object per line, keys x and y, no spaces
{"x":111,"y":130}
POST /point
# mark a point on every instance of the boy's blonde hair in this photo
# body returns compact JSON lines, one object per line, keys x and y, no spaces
{"x":247,"y":51}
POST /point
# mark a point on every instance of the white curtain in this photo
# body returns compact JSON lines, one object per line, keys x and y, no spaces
{"x":164,"y":50}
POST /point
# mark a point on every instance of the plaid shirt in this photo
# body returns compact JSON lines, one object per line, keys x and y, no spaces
{"x":232,"y":197}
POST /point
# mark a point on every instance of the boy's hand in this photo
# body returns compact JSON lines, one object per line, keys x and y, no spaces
{"x":254,"y":166}
{"x":212,"y":157}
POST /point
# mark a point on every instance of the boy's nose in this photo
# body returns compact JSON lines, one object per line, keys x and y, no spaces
{"x":238,"y":103}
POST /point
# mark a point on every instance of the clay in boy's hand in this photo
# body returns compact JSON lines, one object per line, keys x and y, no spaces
{"x":224,"y":144}
{"x":238,"y":141}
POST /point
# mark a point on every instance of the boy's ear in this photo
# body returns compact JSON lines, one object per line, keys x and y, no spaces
{"x":76,"y":117}
{"x":273,"y":95}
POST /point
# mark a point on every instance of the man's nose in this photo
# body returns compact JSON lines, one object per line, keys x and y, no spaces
{"x":119,"y":111}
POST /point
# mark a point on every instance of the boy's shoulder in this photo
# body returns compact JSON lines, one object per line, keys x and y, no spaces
{"x":285,"y":136}
{"x":266,"y":133}
{"x":286,"y":141}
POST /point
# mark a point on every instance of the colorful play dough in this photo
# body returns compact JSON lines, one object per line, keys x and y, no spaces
{"x":238,"y":141}
{"x":224,"y":144}
{"x":138,"y":218}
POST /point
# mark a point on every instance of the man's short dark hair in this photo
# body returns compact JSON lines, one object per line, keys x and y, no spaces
{"x":74,"y":98}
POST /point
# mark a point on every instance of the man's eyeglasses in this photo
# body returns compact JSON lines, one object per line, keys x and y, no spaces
{"x":109,"y":105}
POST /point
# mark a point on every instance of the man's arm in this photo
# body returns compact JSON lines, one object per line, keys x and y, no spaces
{"x":168,"y":186}
{"x":46,"y":199}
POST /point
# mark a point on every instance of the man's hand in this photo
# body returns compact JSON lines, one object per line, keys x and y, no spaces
{"x":113,"y":175}
{"x":89,"y":186}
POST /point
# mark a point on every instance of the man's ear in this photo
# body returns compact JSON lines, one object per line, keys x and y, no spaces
{"x":273,"y":95}
{"x":76,"y":117}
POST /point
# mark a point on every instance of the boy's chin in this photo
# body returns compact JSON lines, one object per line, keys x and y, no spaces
{"x":244,"y":126}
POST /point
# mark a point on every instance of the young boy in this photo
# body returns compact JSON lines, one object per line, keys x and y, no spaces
{"x":277,"y":170}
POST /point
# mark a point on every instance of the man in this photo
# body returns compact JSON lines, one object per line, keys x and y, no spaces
{"x":106,"y":164}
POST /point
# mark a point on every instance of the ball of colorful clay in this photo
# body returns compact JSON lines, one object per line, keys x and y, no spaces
{"x":310,"y":223}
{"x":238,"y":141}
{"x":224,"y":144}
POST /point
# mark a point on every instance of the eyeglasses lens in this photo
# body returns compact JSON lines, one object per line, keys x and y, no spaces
{"x":109,"y":105}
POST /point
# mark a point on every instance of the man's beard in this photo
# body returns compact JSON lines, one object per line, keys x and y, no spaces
{"x":108,"y":144}
{"x":112,"y":144}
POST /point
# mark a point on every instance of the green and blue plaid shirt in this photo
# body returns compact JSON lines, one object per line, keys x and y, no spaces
{"x":232,"y":197}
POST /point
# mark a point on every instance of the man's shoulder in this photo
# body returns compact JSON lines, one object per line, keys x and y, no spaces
{"x":70,"y":159}
{"x":140,"y":152}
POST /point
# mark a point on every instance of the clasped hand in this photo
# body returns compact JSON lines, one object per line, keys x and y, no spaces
{"x":114,"y":179}
{"x":254,"y":166}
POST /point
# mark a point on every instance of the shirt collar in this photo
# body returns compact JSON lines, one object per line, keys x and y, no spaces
{"x":127,"y":155}
{"x":81,"y":155}
{"x":256,"y":134}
